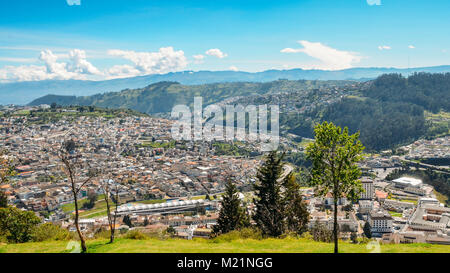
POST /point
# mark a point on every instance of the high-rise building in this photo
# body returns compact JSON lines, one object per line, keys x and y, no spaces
{"x":368,"y":189}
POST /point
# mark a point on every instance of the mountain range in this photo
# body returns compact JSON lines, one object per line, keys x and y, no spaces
{"x":25,"y":92}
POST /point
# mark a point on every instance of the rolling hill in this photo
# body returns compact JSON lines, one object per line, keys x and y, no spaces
{"x":24,"y":92}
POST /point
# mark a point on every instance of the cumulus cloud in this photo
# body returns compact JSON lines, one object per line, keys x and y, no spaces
{"x":411,"y":47}
{"x":331,"y":59}
{"x":122,"y":71}
{"x":77,"y":68}
{"x":80,"y":64}
{"x":163,"y":61}
{"x":23,"y":73}
{"x":216,"y":53}
{"x":384,"y":47}
{"x":233,"y":68}
{"x":198,"y":59}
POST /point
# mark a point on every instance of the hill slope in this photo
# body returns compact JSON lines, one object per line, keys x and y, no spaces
{"x":162,"y":96}
{"x":24,"y":92}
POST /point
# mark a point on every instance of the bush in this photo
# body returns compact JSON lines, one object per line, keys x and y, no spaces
{"x":102,"y":234}
{"x":307,"y":235}
{"x":136,"y":235}
{"x":16,"y":225}
{"x":321,"y":233}
{"x":245,"y":233}
{"x":49,"y":232}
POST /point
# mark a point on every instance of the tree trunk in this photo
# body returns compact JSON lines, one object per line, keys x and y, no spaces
{"x":113,"y":230}
{"x":335,"y":226}
{"x":83,"y":242}
{"x":108,"y":213}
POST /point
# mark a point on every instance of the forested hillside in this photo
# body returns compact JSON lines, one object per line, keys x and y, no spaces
{"x":389,"y":111}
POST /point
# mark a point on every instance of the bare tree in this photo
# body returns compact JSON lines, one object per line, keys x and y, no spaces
{"x":74,"y":167}
{"x":107,"y":190}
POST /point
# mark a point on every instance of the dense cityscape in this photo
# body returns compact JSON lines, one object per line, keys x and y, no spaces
{"x":162,"y":183}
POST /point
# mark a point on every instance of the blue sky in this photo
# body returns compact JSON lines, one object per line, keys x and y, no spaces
{"x":99,"y":39}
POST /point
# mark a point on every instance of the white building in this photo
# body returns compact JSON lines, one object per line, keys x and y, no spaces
{"x":365,"y":206}
{"x":404,"y":182}
{"x":368,"y":189}
{"x":380,"y":222}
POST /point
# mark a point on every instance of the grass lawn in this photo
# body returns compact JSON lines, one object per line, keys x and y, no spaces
{"x":288,"y":245}
{"x":409,"y":201}
{"x":395,"y":214}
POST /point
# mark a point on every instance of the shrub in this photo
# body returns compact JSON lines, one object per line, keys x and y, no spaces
{"x":50,"y":231}
{"x":245,"y":233}
{"x":307,"y":235}
{"x":102,"y":234}
{"x":136,"y":235}
{"x":16,"y":225}
{"x":321,"y":233}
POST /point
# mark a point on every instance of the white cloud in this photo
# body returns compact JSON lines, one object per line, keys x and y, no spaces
{"x":411,"y":47}
{"x":198,"y":59}
{"x":23,"y":73}
{"x":73,"y":2}
{"x":216,"y":53}
{"x":374,"y":2}
{"x":331,"y":59}
{"x":163,"y":61}
{"x":80,"y":64}
{"x":384,"y":47}
{"x":122,"y":71}
{"x":78,"y":68}
{"x":233,"y":68}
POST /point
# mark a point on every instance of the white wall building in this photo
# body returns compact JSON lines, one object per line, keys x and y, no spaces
{"x":368,"y":189}
{"x":380,"y":222}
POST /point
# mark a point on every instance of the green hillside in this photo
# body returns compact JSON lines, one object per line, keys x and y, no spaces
{"x":162,"y":96}
{"x":287,"y":245}
{"x":389,"y":111}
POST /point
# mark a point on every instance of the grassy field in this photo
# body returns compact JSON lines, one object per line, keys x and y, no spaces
{"x":287,"y":245}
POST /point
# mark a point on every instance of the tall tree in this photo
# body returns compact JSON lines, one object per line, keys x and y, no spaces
{"x":232,"y":215}
{"x":335,"y":155}
{"x":75,"y":168}
{"x":296,"y":212}
{"x":269,"y":215}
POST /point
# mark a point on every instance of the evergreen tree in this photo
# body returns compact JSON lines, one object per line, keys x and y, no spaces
{"x":3,"y":199}
{"x":232,"y":215}
{"x":367,"y":230}
{"x":296,"y":211}
{"x":127,"y":221}
{"x":269,"y":215}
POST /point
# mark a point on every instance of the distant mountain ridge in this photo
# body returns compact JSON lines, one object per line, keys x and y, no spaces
{"x":160,"y":97}
{"x":25,"y":92}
